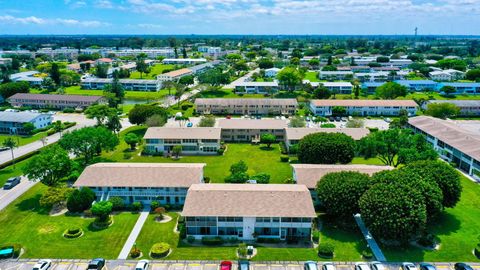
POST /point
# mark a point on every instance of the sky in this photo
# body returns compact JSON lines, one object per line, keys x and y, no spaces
{"x":167,"y":17}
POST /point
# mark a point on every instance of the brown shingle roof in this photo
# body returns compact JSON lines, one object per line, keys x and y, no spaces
{"x":182,"y":133}
{"x":141,"y":175}
{"x":363,"y":103}
{"x":299,"y":133}
{"x":310,"y":174}
{"x":450,"y":133}
{"x":77,"y":98}
{"x":264,"y":123}
{"x":248,"y":200}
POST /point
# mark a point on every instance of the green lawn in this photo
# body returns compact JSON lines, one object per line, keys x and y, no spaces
{"x":154,"y":71}
{"x":23,"y":140}
{"x":10,"y":171}
{"x":136,"y":95}
{"x":311,"y":76}
{"x":27,"y":223}
{"x":226,"y":93}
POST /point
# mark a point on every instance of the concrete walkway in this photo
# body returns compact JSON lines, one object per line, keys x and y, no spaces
{"x":377,"y":252}
{"x":133,"y":235}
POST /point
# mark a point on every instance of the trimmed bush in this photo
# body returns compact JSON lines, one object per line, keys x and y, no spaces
{"x":183,"y":230}
{"x":103,"y":223}
{"x":135,"y":253}
{"x":284,"y":158}
{"x":136,"y":206}
{"x":268,"y":240}
{"x":74,"y":232}
{"x":181,"y":219}
{"x":212,"y":241}
{"x":220,"y":151}
{"x":315,"y":236}
{"x":17,"y":248}
{"x":159,"y":250}
{"x":325,"y":250}
{"x":367,"y":254}
{"x":427,"y":240}
{"x":117,"y":203}
{"x":190,"y":239}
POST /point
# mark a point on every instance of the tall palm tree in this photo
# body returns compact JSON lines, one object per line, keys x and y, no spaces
{"x":10,"y":143}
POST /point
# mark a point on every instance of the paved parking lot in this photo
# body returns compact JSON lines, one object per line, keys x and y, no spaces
{"x":193,"y":265}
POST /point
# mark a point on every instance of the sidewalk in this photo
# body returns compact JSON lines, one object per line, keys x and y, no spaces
{"x":133,"y":235}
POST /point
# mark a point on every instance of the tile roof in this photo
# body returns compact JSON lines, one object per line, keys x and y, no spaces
{"x":178,"y":72}
{"x":182,"y":133}
{"x":141,"y":175}
{"x":310,"y":174}
{"x":249,"y":200}
{"x":363,"y":102}
{"x":299,"y":133}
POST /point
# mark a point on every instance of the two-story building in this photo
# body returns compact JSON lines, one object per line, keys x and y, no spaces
{"x":54,"y":101}
{"x":246,"y":106}
{"x":166,"y":183}
{"x":461,"y":87}
{"x":249,"y":211}
{"x":250,"y":130}
{"x":418,"y":85}
{"x":310,"y":174}
{"x":13,"y":122}
{"x":250,"y":87}
{"x":358,"y":107}
{"x":335,"y":75}
{"x":194,"y":141}
{"x":467,"y":107}
{"x":174,"y":75}
{"x":128,"y":84}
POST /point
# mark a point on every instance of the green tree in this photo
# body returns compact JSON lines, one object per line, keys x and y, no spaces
{"x":142,"y":67}
{"x":239,"y":167}
{"x":339,"y":193}
{"x":207,"y":121}
{"x":402,"y":120}
{"x":391,"y":90}
{"x":393,"y":212}
{"x":339,"y":111}
{"x":28,"y":128}
{"x":55,"y":73}
{"x":132,"y":139}
{"x":297,"y":122}
{"x":10,"y":143}
{"x":99,"y":112}
{"x":55,"y":196}
{"x":177,"y":150}
{"x":289,"y":77}
{"x":113,"y":123}
{"x":11,"y":88}
{"x":442,"y":110}
{"x":268,"y":139}
{"x":265,"y":63}
{"x":102,"y":210}
{"x":80,"y":200}
{"x":326,"y":148}
{"x":49,"y":167}
{"x":101,"y":70}
{"x":114,"y":91}
{"x":473,"y":74}
{"x":448,"y":90}
{"x":156,"y":120}
{"x":261,"y":178}
{"x":88,"y":141}
{"x":140,"y":112}
{"x":321,"y":92}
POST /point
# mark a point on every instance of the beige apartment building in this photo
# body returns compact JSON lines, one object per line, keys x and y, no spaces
{"x":246,"y":106}
{"x":249,"y":130}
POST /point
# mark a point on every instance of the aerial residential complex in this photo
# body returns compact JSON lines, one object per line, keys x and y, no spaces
{"x":249,"y":211}
{"x":13,"y":122}
{"x":357,"y":107}
{"x":194,"y":141}
{"x":310,"y":174}
{"x":166,"y":183}
{"x":467,"y":107}
{"x":246,"y":106}
{"x":455,"y":141}
{"x":128,"y":84}
{"x":54,"y":101}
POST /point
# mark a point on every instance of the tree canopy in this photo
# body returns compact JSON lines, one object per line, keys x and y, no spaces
{"x":140,"y":112}
{"x":326,"y":148}
{"x":49,"y":167}
{"x":391,"y":90}
{"x":442,"y":110}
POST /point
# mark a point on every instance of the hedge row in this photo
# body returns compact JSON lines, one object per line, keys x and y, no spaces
{"x":212,"y":241}
{"x":73,"y":233}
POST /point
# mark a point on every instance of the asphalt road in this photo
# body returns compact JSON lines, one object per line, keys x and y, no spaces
{"x":192,"y":265}
{"x":8,"y":196}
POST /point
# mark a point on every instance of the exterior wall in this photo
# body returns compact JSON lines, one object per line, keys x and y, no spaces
{"x":189,"y":146}
{"x":364,"y":111}
{"x":248,"y":228}
{"x":340,"y":89}
{"x":249,"y":135}
{"x":130,"y":86}
{"x":246,"y":109}
{"x":164,"y":195}
{"x":57,"y":104}
{"x":256,"y":89}
{"x":10,"y":127}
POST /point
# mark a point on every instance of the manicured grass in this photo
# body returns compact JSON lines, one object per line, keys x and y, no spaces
{"x":27,"y":223}
{"x":154,"y":71}
{"x":12,"y":171}
{"x":23,"y":140}
{"x":440,"y":97}
{"x":370,"y":161}
{"x":138,"y":95}
{"x":311,"y":76}
{"x":226,"y":93}
{"x":76,"y":90}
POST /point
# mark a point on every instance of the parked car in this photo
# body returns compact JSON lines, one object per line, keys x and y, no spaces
{"x":189,"y":124}
{"x":462,"y":266}
{"x":243,"y":265}
{"x":331,"y":119}
{"x":96,"y":264}
{"x":427,"y":266}
{"x":408,"y":266}
{"x":310,"y":265}
{"x":377,"y":266}
{"x":226,"y":265}
{"x":142,"y":265}
{"x":362,"y":266}
{"x":328,"y":266}
{"x":12,"y":182}
{"x":43,"y":264}
{"x":3,"y":149}
{"x":338,"y":118}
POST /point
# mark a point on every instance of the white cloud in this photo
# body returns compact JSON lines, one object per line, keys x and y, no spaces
{"x":32,"y":20}
{"x":22,"y":20}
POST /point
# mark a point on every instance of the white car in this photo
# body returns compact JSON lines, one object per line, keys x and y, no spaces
{"x":408,"y":266}
{"x":142,"y":265}
{"x":362,"y":266}
{"x":377,"y":266}
{"x":43,"y":264}
{"x":328,"y":266}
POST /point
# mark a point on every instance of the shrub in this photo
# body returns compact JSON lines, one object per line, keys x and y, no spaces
{"x":325,"y":250}
{"x":74,"y":232}
{"x":206,"y":179}
{"x":68,"y":110}
{"x":50,"y":132}
{"x":293,"y":149}
{"x":80,"y":200}
{"x":181,"y":219}
{"x":190,"y":239}
{"x":328,"y":125}
{"x":367,"y":254}
{"x":284,"y":158}
{"x":136,"y":206}
{"x":183,"y":230}
{"x":159,"y":250}
{"x":242,"y":250}
{"x":154,"y":205}
{"x":17,"y":248}
{"x":117,"y":203}
{"x":127,"y":155}
{"x":268,"y":240}
{"x":315,"y":236}
{"x":212,"y":241}
{"x":220,"y":151}
{"x":185,"y":107}
{"x":103,"y":223}
{"x":135,"y":252}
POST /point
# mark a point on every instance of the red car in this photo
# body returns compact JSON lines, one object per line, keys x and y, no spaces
{"x":226,"y":265}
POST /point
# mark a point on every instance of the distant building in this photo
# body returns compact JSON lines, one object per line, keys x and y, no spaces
{"x":27,"y":76}
{"x":245,"y":106}
{"x":203,"y":67}
{"x":335,"y":75}
{"x":323,"y":107}
{"x":13,"y":122}
{"x":418,"y":85}
{"x":249,"y":211}
{"x":166,"y":183}
{"x":54,"y":101}
{"x":370,"y":87}
{"x":5,"y":61}
{"x":174,"y":75}
{"x":334,"y":87}
{"x":184,"y":61}
{"x":250,"y":130}
{"x":128,"y":84}
{"x":194,"y":141}
{"x":467,"y":107}
{"x":256,"y":87}
{"x":271,"y":72}
{"x":446,"y":75}
{"x":461,"y":87}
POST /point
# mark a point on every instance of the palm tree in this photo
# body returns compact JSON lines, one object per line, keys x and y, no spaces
{"x":57,"y":127}
{"x":10,"y":143}
{"x":179,"y":91}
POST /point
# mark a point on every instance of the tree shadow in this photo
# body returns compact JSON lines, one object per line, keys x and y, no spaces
{"x":265,"y":148}
{"x":445,"y":224}
{"x":33,"y":204}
